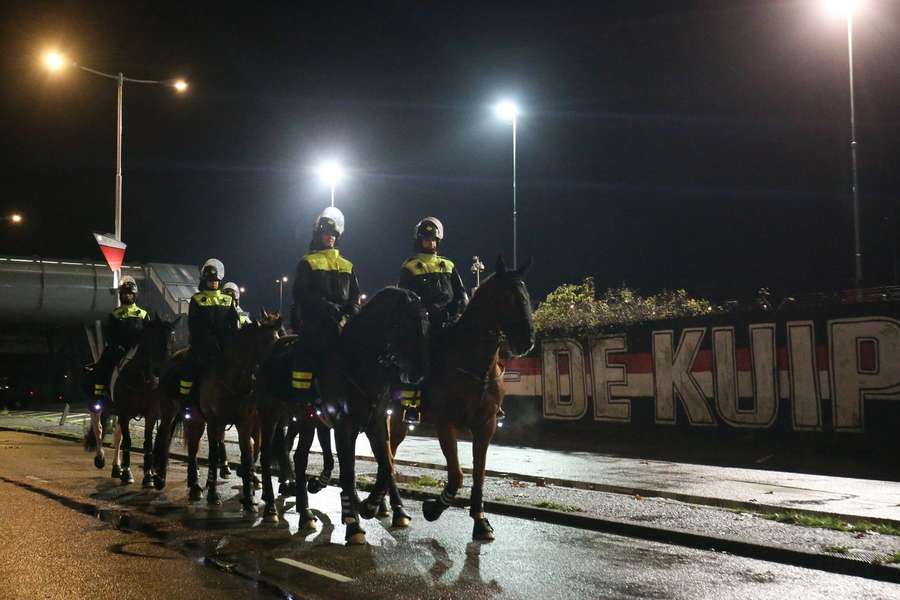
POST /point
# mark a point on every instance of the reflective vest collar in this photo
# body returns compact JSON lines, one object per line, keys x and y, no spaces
{"x":423,"y":263}
{"x":328,"y":260}
{"x":129,"y":311}
{"x":212,"y":298}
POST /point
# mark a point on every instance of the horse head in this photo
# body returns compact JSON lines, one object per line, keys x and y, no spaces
{"x":505,"y":296}
{"x":155,"y":345}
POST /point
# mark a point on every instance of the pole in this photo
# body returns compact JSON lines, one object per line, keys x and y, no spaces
{"x":515,"y":228}
{"x":332,"y":194}
{"x":120,"y":81}
{"x":280,"y":296}
{"x":853,"y":165}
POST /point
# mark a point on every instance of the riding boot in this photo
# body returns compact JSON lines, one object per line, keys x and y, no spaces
{"x":411,"y":401}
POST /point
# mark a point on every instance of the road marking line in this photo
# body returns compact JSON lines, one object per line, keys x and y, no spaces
{"x":36,"y":478}
{"x":315,"y":570}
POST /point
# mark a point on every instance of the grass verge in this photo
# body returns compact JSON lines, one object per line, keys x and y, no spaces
{"x":833,"y":523}
{"x":569,"y":508}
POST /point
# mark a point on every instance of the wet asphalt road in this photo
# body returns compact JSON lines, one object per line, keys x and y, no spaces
{"x":44,"y":480}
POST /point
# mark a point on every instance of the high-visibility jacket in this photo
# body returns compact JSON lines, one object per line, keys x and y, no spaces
{"x":436,"y":281}
{"x":212,"y":320}
{"x":125,"y":325}
{"x":325,"y":289}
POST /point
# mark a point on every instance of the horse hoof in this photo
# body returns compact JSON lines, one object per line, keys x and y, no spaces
{"x":432,"y":510}
{"x":126,"y":477}
{"x":270,"y":514}
{"x":147,"y":481}
{"x":116,"y":472}
{"x":401,"y":518}
{"x":383,"y":511}
{"x":159,"y":482}
{"x":355,"y":535}
{"x":482,"y":531}
{"x":368,"y":510}
{"x":195,"y":493}
{"x":99,"y":461}
{"x":314,"y":486}
{"x":308,"y":525}
{"x":225,"y":472}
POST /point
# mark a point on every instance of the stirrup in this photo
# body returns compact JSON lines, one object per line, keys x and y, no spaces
{"x":412,"y":417}
{"x":187,"y":412}
{"x":501,"y":418}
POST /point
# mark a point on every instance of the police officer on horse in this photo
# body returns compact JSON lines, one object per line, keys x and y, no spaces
{"x":124,"y":328}
{"x":232,"y":289}
{"x":437,"y":282}
{"x":212,"y":320}
{"x":326,"y":294}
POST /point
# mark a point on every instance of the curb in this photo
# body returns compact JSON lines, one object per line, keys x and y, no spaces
{"x":669,"y":535}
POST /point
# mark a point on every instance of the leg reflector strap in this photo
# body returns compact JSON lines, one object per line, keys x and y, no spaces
{"x":184,"y":387}
{"x":301,"y":380}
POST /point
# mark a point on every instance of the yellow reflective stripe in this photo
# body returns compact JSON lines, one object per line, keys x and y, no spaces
{"x":328,"y":260}
{"x":99,"y":387}
{"x":212,"y":298}
{"x":304,"y":375}
{"x":186,"y":383}
{"x":127,"y":312}
{"x":423,"y":264}
{"x":408,"y":393}
{"x":301,"y":385}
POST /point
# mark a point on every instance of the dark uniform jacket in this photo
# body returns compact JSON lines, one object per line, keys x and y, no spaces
{"x":125,"y":325}
{"x":212,"y":320}
{"x":325,"y":290}
{"x":437,"y":282}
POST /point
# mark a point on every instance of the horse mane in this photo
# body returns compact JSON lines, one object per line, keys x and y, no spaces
{"x":386,"y":302}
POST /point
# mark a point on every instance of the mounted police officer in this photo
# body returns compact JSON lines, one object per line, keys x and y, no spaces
{"x":232,"y":289}
{"x":124,"y":328}
{"x":212,"y":320}
{"x":437,"y":282}
{"x":326,"y":294}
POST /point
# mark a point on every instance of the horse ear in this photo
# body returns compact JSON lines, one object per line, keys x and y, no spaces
{"x":500,"y":269}
{"x":524,"y":268}
{"x":263,"y":315}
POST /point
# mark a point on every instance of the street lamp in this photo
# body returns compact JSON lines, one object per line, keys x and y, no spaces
{"x":281,"y":283}
{"x":15,"y":218}
{"x":331,"y":173}
{"x":846,"y":8}
{"x":55,"y":61}
{"x":508,"y":111}
{"x":242,"y":289}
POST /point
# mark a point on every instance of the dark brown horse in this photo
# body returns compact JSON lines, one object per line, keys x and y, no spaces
{"x":225,"y":396}
{"x":135,"y":392}
{"x":464,"y":388}
{"x":387,"y":338}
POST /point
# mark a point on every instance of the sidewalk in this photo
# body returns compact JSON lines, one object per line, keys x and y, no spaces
{"x":747,"y":489}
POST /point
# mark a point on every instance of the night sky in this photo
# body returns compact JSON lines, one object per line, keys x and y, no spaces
{"x":663,"y":144}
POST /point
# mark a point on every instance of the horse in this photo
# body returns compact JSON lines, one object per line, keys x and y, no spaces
{"x":134,"y":389}
{"x":307,"y":429}
{"x":225,"y":396}
{"x":464,"y":388}
{"x":386,"y":339}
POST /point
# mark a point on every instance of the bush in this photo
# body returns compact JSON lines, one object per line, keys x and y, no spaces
{"x":576,"y":309}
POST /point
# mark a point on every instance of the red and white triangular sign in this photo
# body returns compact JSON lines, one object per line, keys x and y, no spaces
{"x":113,"y":250}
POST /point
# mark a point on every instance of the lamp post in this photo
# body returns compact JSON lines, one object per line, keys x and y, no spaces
{"x":283,"y":280}
{"x":508,"y":111}
{"x":14,"y":218}
{"x":846,"y":9}
{"x":331,"y":173}
{"x":55,"y":61}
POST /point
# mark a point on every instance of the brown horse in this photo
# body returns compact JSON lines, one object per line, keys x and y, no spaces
{"x":464,"y":388}
{"x":224,"y":396}
{"x":135,"y":392}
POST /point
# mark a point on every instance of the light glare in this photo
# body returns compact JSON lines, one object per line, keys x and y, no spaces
{"x":180,"y":85}
{"x":16,"y":218}
{"x":54,"y":61}
{"x":507,"y":110}
{"x":842,"y":8}
{"x":330,"y":172}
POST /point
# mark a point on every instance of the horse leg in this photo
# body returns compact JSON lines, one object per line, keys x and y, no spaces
{"x":301,"y":461}
{"x":97,"y":432}
{"x":281,"y":442}
{"x":481,"y":440}
{"x":125,"y":429}
{"x":267,"y":436}
{"x":255,"y":438}
{"x":147,"y":481}
{"x":383,"y":482}
{"x":193,"y":432}
{"x":319,"y":483}
{"x":432,"y":509}
{"x":247,"y":502}
{"x":400,"y":517}
{"x":161,"y":445}
{"x":224,"y":469}
{"x":345,"y":436}
{"x":117,"y":449}
{"x":212,"y":439}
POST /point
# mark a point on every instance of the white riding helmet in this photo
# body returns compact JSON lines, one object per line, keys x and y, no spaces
{"x":429,"y":227}
{"x":234,"y":288}
{"x":330,"y":219}
{"x":213,"y":267}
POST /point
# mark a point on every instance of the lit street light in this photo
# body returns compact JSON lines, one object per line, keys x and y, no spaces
{"x":508,"y":111}
{"x":846,"y":8}
{"x":281,"y":283}
{"x":242,"y":289}
{"x":55,"y":61}
{"x":331,"y":173}
{"x":14,"y":218}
